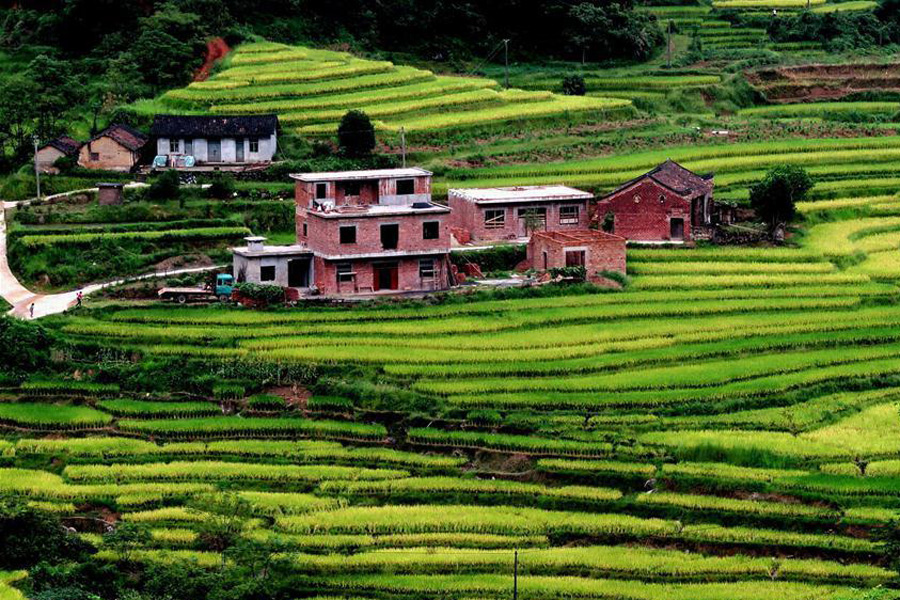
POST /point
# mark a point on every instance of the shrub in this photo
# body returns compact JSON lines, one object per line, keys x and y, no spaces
{"x":221,"y":187}
{"x":165,"y":186}
{"x":263,"y":293}
{"x":775,"y":197}
{"x":574,"y":85}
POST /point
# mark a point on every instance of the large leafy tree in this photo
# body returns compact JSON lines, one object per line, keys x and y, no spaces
{"x":356,"y":134}
{"x":774,"y":198}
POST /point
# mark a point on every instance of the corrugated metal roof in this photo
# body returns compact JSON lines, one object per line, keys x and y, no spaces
{"x":358,"y":175}
{"x":527,"y":193}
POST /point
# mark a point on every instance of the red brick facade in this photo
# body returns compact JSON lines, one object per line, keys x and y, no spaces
{"x":373,"y":231}
{"x":667,"y":204}
{"x":477,"y":220}
{"x":645,"y":212}
{"x":596,"y":251}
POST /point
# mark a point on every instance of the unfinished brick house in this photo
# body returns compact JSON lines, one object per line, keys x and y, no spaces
{"x":668,"y":204}
{"x":359,"y":232}
{"x":494,"y":214}
{"x":596,"y":251}
{"x":49,"y":153}
{"x":116,"y":148}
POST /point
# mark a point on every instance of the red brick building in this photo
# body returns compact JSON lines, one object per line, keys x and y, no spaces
{"x":596,"y":251}
{"x":668,"y":204}
{"x":493,"y":214}
{"x":373,"y":231}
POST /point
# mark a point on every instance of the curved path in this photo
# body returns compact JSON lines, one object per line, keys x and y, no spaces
{"x":21,"y":298}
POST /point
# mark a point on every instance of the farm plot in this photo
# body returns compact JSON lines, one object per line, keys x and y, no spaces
{"x":310,"y":90}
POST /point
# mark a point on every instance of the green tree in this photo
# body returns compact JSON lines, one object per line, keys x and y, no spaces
{"x":775,"y":197}
{"x":126,"y":538}
{"x":24,"y":347}
{"x":221,"y":187}
{"x":227,"y":514}
{"x":29,"y":536}
{"x":356,"y":134}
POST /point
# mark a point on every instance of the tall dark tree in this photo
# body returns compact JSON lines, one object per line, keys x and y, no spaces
{"x":775,"y":197}
{"x":356,"y":134}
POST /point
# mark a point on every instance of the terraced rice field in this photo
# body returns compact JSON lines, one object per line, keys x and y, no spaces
{"x":311,"y":89}
{"x":725,"y":427}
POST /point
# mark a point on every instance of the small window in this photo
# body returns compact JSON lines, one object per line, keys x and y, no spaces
{"x":637,"y":199}
{"x":304,"y":230}
{"x":321,"y":190}
{"x":494,"y":218}
{"x":348,"y":234}
{"x":254,"y":145}
{"x":173,"y":146}
{"x":95,"y":156}
{"x":568,"y":215}
{"x":575,"y":258}
{"x":662,"y":199}
{"x":345,"y":272}
{"x":351,"y":188}
{"x":431,"y":230}
{"x":426,"y":268}
{"x":390,"y":236}
{"x":405,"y":187}
{"x":267,"y":273}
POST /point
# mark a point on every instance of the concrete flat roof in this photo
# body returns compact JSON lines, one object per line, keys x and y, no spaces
{"x":294,"y":249}
{"x":378,"y":210}
{"x":525,"y":193}
{"x":387,"y":254}
{"x":359,"y":175}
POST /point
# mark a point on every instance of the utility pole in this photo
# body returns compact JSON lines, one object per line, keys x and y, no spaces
{"x":669,"y":45}
{"x":403,"y":144}
{"x":506,"y":63}
{"x":516,"y":576}
{"x":37,"y":171}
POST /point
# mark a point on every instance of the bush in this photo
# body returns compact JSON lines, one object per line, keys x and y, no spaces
{"x":574,"y":85}
{"x":267,"y":294}
{"x":221,"y":187}
{"x":498,"y":258}
{"x":24,"y":347}
{"x":165,"y":187}
{"x":576,"y":273}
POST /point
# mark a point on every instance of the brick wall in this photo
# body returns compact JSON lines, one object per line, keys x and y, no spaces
{"x":602,"y":253}
{"x":111,"y":156}
{"x":470,"y":217}
{"x":644,"y":212}
{"x":324,"y":233}
{"x":408,"y":279}
{"x":383,"y":191}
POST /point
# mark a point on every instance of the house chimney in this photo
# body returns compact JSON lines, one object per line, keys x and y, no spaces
{"x":255,"y":243}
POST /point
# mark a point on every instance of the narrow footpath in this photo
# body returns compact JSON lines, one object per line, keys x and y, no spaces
{"x":21,"y":298}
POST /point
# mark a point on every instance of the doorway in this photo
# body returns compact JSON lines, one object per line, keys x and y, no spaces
{"x":298,"y":272}
{"x":387,"y":276}
{"x":676,"y":229}
{"x":239,"y":150}
{"x":214,"y":151}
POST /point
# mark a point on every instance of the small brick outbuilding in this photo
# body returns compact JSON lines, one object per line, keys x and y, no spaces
{"x":667,"y":204}
{"x":116,"y":148}
{"x":49,"y":153}
{"x":596,"y":251}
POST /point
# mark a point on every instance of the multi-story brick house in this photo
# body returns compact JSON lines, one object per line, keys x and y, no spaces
{"x":667,"y":204}
{"x":494,"y":214}
{"x":358,"y":232}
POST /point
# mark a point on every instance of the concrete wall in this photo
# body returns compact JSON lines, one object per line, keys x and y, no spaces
{"x":470,"y":217}
{"x":644,"y":211}
{"x":200,"y":149}
{"x":112,"y":156}
{"x":248,"y":268}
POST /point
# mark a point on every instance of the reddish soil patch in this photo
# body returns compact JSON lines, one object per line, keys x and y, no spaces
{"x":824,"y":82}
{"x":216,"y":49}
{"x":295,"y":395}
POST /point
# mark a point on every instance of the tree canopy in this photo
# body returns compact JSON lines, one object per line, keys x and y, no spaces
{"x":774,"y":198}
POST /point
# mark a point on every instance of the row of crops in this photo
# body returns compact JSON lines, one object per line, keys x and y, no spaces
{"x":311,"y":89}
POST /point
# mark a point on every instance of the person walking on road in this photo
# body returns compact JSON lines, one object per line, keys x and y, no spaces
{"x":78,"y":297}
{"x":31,"y":311}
